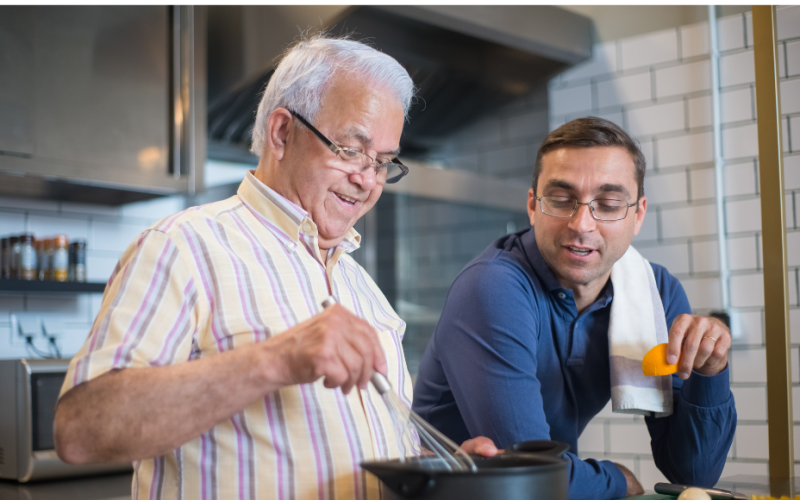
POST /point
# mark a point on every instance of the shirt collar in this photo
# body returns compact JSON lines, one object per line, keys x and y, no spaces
{"x":289,"y":218}
{"x":538,"y":263}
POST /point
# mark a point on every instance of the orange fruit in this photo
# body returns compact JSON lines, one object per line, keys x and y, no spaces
{"x":655,"y":363}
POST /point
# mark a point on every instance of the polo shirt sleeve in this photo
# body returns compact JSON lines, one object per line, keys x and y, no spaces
{"x":489,"y":331}
{"x":147,"y":316}
{"x":691,"y":445}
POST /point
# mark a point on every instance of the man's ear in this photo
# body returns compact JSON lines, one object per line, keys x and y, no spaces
{"x":279,"y":129}
{"x":531,"y":205}
{"x":640,"y":214}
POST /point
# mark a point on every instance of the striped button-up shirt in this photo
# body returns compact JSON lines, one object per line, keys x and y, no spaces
{"x":230,"y":274}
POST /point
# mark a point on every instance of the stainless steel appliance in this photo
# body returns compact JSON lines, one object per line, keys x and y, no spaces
{"x":29,"y":390}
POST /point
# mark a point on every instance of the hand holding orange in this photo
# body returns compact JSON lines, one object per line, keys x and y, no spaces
{"x":655,"y":363}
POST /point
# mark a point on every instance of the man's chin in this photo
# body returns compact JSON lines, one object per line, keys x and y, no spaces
{"x":580,"y":277}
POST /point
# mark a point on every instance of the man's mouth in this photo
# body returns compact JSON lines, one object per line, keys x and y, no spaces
{"x":579,"y":251}
{"x":346,"y":199}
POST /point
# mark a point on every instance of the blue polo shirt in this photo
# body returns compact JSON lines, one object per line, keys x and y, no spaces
{"x":511,"y":359}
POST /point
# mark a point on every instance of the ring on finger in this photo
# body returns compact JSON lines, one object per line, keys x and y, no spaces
{"x":709,"y":337}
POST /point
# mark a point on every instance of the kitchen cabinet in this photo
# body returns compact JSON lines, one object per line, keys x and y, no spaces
{"x":102,"y":96}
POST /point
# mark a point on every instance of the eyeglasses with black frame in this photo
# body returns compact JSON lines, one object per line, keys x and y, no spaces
{"x":357,"y":161}
{"x":606,"y":210}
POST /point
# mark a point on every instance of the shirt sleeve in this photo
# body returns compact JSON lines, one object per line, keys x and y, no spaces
{"x":147,"y":316}
{"x":488,"y":330}
{"x":691,"y":445}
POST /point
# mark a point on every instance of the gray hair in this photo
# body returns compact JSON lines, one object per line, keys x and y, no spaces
{"x":301,"y":78}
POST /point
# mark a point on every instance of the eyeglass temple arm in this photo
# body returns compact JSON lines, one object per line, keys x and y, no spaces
{"x":333,"y":147}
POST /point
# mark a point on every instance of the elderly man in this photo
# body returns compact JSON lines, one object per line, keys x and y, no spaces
{"x":211,"y":364}
{"x":536,"y":336}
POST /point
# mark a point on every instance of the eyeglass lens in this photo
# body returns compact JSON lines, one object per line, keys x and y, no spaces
{"x":358,"y":162}
{"x":607,"y":210}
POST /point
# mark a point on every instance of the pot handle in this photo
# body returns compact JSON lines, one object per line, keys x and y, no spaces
{"x":541,"y":446}
{"x":406,"y":483}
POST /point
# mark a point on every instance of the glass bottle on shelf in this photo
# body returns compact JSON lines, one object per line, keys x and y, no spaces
{"x":77,"y":261}
{"x":5,"y":264}
{"x":27,"y":258}
{"x":47,"y":265}
{"x":41,"y":259}
{"x":60,"y":260}
{"x":14,"y":255}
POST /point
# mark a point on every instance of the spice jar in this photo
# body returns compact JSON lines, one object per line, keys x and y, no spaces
{"x":13,"y":256}
{"x":77,"y":261}
{"x":60,"y":260}
{"x":27,"y":258}
{"x":5,"y":265}
{"x":41,"y":259}
{"x":47,"y":265}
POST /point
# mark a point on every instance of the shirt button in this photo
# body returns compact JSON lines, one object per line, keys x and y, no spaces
{"x":290,"y":245}
{"x":306,"y":227}
{"x":562,"y":295}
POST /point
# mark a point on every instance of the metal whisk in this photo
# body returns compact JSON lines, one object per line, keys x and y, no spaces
{"x":415,"y":429}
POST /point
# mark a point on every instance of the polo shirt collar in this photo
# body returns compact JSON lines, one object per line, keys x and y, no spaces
{"x":290,"y":219}
{"x":538,"y":263}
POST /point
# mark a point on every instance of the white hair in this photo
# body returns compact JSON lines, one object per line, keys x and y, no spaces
{"x":301,"y":78}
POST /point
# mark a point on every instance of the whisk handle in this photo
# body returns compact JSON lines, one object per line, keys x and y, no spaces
{"x":381,"y":384}
{"x":379,"y":381}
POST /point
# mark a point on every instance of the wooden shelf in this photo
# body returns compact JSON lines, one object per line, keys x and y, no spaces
{"x":12,"y":285}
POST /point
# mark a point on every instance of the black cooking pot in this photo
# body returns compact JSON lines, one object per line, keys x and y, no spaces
{"x":527,"y":470}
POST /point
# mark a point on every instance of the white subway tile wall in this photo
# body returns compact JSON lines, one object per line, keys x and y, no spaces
{"x":625,"y":89}
{"x":694,"y":40}
{"x":660,"y":85}
{"x":792,"y":58}
{"x":703,"y":184}
{"x":699,"y":112}
{"x":107,"y":230}
{"x":683,"y":79}
{"x":656,"y":118}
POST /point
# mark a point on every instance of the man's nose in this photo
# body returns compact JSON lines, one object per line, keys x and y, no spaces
{"x":366,"y":179}
{"x":582,"y":220}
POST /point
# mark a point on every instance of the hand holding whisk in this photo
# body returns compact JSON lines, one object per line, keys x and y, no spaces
{"x":450,"y":456}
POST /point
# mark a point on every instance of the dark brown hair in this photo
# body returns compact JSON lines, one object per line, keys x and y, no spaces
{"x":590,"y":132}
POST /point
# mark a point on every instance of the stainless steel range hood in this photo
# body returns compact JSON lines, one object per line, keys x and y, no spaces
{"x":465,"y":60}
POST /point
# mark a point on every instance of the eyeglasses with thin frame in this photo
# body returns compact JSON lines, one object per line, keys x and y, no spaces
{"x":356,"y":161}
{"x":606,"y":210}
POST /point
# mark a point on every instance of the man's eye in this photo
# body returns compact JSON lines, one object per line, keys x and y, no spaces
{"x":350,"y":154}
{"x":561,"y":202}
{"x":609,"y":206}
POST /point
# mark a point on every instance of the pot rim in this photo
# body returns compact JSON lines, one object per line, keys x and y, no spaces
{"x":555,"y":463}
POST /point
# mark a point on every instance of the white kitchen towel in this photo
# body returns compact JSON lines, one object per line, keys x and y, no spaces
{"x":637,"y":324}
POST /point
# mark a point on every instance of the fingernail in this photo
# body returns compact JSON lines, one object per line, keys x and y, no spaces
{"x":683,"y":376}
{"x":672,"y":359}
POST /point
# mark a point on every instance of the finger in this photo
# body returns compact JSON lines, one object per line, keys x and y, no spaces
{"x":691,"y":344}
{"x":676,"y":337}
{"x":707,"y":342}
{"x":480,"y":445}
{"x":377,"y":356}
{"x":353,"y":359}
{"x":361,"y":343}
{"x":336,"y":375}
{"x":379,"y":363}
{"x":718,"y":358}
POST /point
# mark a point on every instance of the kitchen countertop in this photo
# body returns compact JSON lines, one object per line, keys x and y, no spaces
{"x":118,"y":487}
{"x":113,"y":487}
